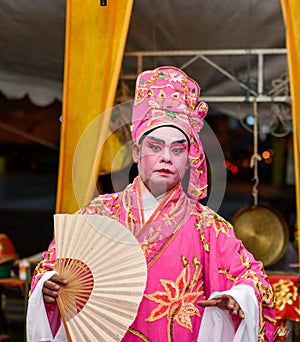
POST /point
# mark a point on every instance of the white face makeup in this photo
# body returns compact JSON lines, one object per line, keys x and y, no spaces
{"x":162,"y":159}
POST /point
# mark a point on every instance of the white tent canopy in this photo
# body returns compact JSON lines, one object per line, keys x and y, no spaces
{"x":32,"y":40}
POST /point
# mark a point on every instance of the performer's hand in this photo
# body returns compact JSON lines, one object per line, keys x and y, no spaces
{"x":51,"y":288}
{"x":225,"y":302}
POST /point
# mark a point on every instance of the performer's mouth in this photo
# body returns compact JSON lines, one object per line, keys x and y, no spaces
{"x":164,"y":171}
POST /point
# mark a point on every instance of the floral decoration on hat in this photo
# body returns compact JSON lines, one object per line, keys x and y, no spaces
{"x":167,"y":96}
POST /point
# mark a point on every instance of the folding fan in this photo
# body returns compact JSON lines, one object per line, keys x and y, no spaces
{"x":106,"y":272}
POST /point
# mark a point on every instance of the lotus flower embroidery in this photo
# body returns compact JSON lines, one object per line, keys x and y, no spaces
{"x":177,"y":302}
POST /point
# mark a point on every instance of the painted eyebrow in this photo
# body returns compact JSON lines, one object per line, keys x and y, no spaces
{"x":181,"y":141}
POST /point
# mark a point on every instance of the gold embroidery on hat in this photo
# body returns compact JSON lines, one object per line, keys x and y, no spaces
{"x":175,"y":97}
{"x":162,"y":94}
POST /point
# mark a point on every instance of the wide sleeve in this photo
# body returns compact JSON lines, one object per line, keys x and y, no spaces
{"x":228,"y":263}
{"x":217,"y":325}
{"x":38,"y":325}
{"x":44,"y":271}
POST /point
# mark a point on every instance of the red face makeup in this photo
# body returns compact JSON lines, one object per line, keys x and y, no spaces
{"x":163,"y":159}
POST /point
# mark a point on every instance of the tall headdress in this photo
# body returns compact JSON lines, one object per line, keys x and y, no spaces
{"x":167,"y":96}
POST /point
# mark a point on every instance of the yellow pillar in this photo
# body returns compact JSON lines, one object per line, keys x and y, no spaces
{"x":291,"y":13}
{"x":94,"y":47}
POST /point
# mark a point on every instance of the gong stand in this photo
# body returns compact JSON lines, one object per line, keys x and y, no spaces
{"x":263,"y":232}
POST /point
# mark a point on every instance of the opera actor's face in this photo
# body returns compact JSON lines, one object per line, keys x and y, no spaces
{"x":162,"y":159}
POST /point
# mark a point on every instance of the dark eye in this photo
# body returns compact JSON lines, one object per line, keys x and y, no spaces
{"x":178,"y":150}
{"x":155,"y":148}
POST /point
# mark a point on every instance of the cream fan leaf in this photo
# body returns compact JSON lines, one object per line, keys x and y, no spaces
{"x":106,"y":272}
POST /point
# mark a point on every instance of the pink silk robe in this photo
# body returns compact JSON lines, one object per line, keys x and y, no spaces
{"x":191,"y":252}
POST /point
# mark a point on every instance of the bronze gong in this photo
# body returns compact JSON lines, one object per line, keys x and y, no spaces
{"x":263,"y":232}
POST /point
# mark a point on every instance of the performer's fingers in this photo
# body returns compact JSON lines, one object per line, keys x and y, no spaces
{"x":48,"y":299}
{"x":51,"y":285}
{"x":234,"y":308}
{"x":209,"y":302}
{"x":59,"y":279}
{"x":49,"y":295}
{"x":50,"y":290}
{"x":226,"y":303}
{"x":232,"y":305}
{"x":241,"y":313}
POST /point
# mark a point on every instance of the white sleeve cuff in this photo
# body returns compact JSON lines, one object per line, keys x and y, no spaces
{"x":217,"y":325}
{"x":37,"y":324}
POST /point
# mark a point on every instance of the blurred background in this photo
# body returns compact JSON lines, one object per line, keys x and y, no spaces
{"x":234,"y":49}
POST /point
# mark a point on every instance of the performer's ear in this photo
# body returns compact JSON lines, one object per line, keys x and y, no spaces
{"x":135,"y":152}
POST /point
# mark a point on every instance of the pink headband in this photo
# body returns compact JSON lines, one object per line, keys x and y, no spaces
{"x":167,"y":96}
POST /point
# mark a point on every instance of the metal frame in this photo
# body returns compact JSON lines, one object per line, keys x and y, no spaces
{"x":254,"y":95}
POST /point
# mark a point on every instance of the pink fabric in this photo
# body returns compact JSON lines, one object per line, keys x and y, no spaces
{"x":190,"y":252}
{"x":53,"y":317}
{"x":48,"y":264}
{"x":167,"y":96}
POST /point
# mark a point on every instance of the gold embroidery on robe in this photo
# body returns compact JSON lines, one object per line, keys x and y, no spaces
{"x":177,"y":302}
